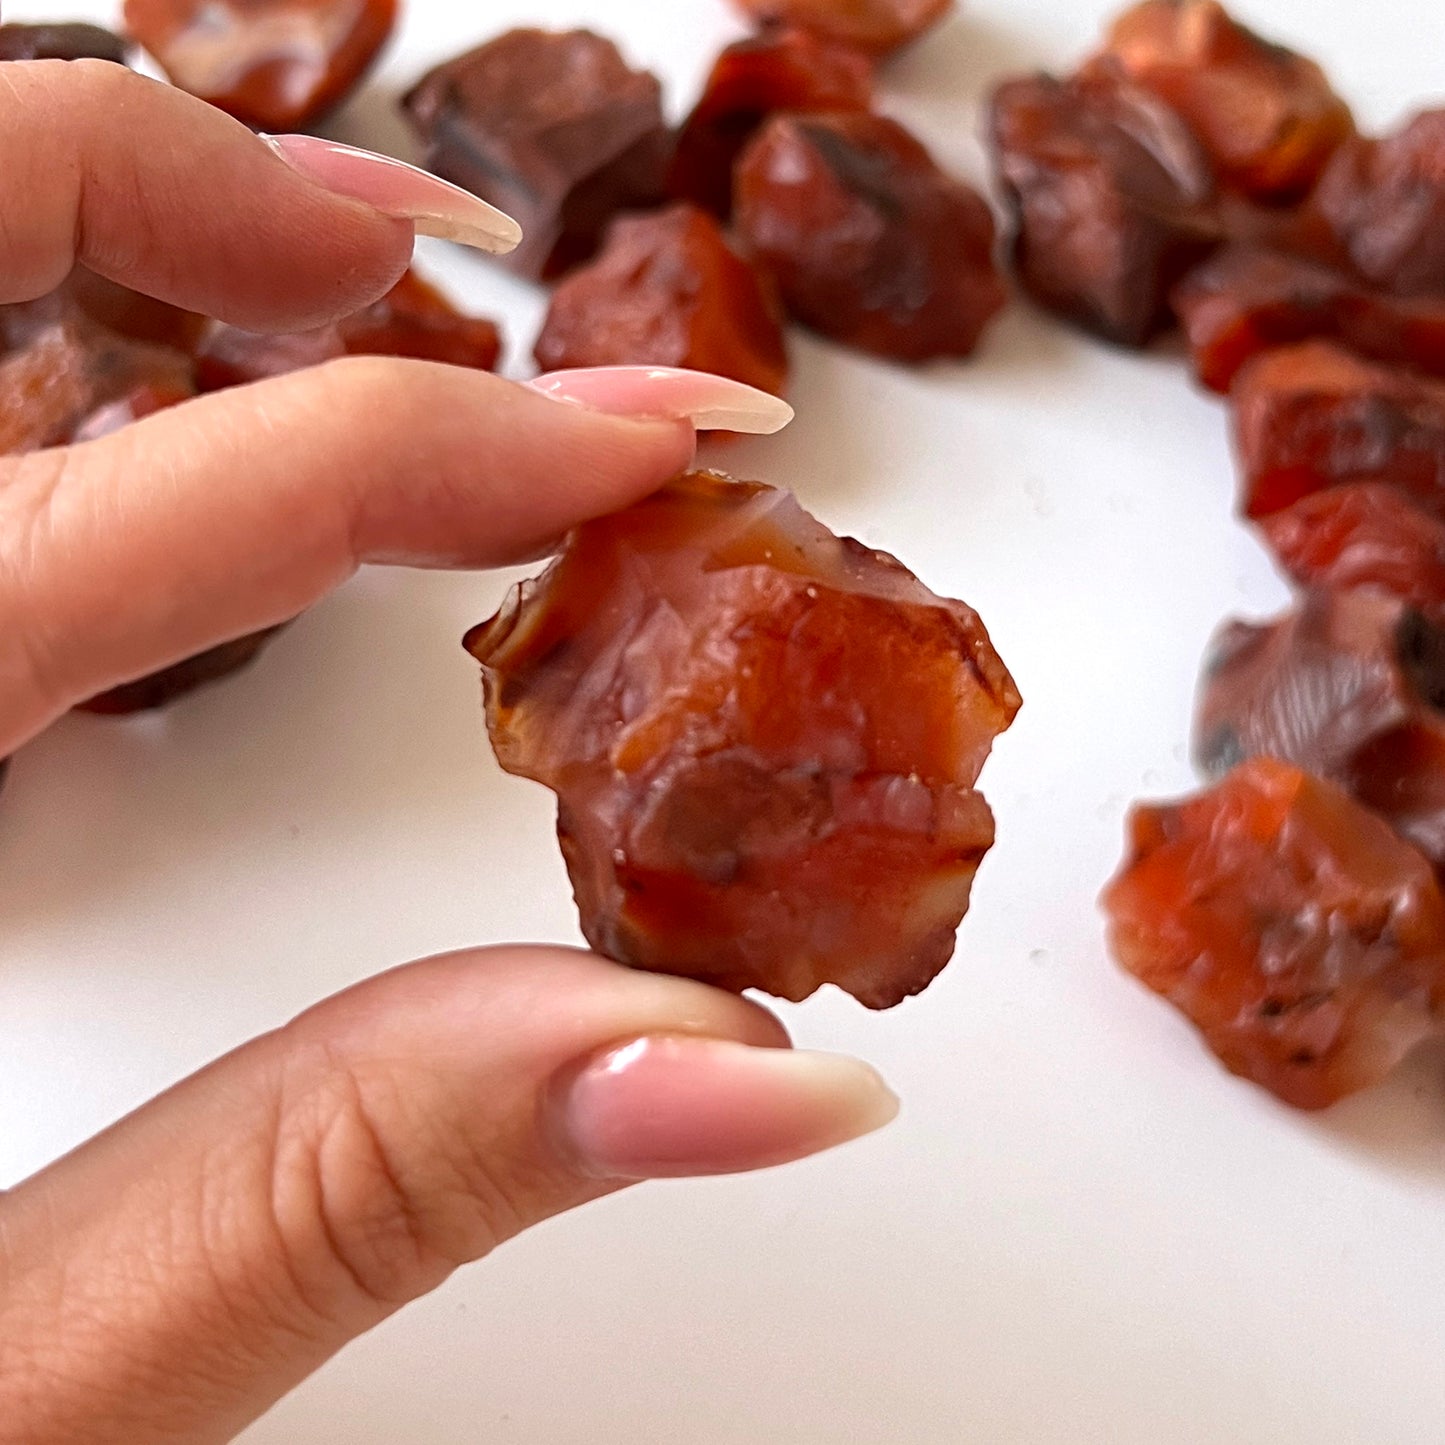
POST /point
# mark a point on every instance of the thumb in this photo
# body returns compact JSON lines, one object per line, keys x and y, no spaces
{"x":174,"y":1277}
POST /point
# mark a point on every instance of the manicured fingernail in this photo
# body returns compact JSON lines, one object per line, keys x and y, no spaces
{"x":678,"y":1106}
{"x":710,"y":403}
{"x":435,"y":206}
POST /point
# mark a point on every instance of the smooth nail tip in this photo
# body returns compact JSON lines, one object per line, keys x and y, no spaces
{"x":434,"y":206}
{"x":689,"y":1107}
{"x":707,"y":401}
{"x":497,"y":241}
{"x":862,"y":1102}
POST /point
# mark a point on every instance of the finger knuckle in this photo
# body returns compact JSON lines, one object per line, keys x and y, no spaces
{"x":372,"y":1198}
{"x":30,"y":664}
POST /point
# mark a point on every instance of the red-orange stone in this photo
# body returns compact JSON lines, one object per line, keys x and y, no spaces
{"x":1114,"y":199}
{"x":67,"y":372}
{"x":1266,"y":116}
{"x":1385,"y":200}
{"x":277,"y":65}
{"x":413,"y":320}
{"x":1368,"y":534}
{"x":791,"y":70}
{"x":1315,"y":416}
{"x":764,"y":740}
{"x":1246,"y":299}
{"x":667,"y":290}
{"x":1349,"y":686}
{"x":869,"y":242}
{"x":877,"y":26}
{"x":1302,"y":937}
{"x":129,"y":313}
{"x":165,"y":686}
{"x":556,"y":129}
{"x":61,"y":42}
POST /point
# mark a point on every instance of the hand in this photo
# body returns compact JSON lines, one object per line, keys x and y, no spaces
{"x":171,"y":1279}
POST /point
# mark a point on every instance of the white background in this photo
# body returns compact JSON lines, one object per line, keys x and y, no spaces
{"x":1080,"y":1230}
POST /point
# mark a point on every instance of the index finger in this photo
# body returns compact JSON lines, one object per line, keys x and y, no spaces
{"x":163,"y":193}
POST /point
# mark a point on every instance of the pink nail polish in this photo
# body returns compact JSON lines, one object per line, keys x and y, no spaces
{"x":680,"y":1106}
{"x":710,"y":403}
{"x":435,"y":206}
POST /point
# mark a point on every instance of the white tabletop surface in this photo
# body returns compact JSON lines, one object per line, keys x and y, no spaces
{"x":1080,"y":1229}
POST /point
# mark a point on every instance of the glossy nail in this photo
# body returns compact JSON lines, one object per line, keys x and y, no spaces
{"x":710,"y":403}
{"x":679,"y":1106}
{"x":434,"y":206}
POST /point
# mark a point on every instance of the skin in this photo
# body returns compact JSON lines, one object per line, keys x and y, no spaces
{"x":169,"y":1280}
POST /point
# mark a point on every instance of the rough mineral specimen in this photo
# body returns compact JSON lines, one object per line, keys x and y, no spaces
{"x":275,"y":64}
{"x":779,"y":70}
{"x":61,"y":42}
{"x":1385,"y":200}
{"x":63,"y":374}
{"x":1113,"y":198}
{"x":164,"y":687}
{"x":667,"y":290}
{"x":1301,"y":936}
{"x":1314,"y":416}
{"x":555,"y":128}
{"x":764,"y":740}
{"x":1349,"y":686}
{"x":413,"y":320}
{"x":1246,"y":299}
{"x":129,"y":313}
{"x":1369,"y":534}
{"x":1266,"y":116}
{"x":877,"y":26}
{"x":869,"y":242}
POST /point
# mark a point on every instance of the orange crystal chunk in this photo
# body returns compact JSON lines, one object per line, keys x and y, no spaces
{"x":277,"y":65}
{"x":667,"y":290}
{"x":1266,"y":116}
{"x":764,"y":740}
{"x":1315,"y":416}
{"x":869,"y":242}
{"x":791,"y":70}
{"x":877,"y":26}
{"x":1301,"y":936}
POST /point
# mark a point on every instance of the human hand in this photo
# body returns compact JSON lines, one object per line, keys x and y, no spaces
{"x":169,"y":1280}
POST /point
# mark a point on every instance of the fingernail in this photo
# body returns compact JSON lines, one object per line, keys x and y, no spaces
{"x":710,"y":403}
{"x":676,"y":1107}
{"x":434,"y":206}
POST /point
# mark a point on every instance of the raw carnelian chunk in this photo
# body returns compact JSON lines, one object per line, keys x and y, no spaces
{"x":413,"y":319}
{"x":1246,"y":299}
{"x":129,"y":313}
{"x":1385,"y":200}
{"x":1368,"y":534}
{"x":1113,"y":199}
{"x":61,"y":42}
{"x":70,"y":370}
{"x":1302,"y":937}
{"x":868,"y":240}
{"x":790,"y":70}
{"x":165,"y":686}
{"x":555,"y":128}
{"x":667,"y":290}
{"x":1314,"y":416}
{"x":877,"y":26}
{"x":1349,"y":686}
{"x":277,"y":65}
{"x":764,"y":740}
{"x":1266,"y":116}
